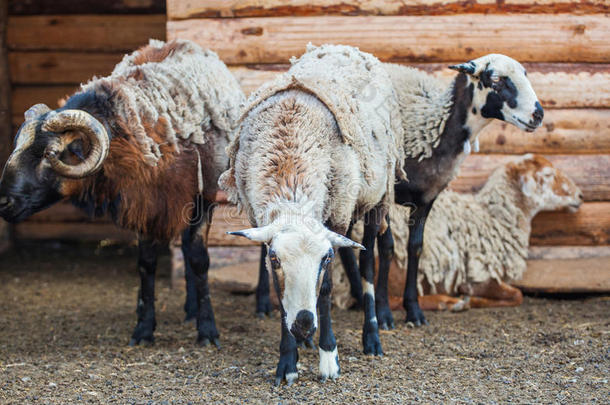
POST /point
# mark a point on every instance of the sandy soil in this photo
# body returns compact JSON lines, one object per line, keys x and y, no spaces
{"x":66,"y":315}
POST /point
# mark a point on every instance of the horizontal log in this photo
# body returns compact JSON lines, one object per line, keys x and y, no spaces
{"x":564,"y":131}
{"x":111,"y":33}
{"x":87,"y":232}
{"x":526,"y":37}
{"x":589,"y":172}
{"x":567,"y":252}
{"x":590,"y":226}
{"x":558,"y":85}
{"x":35,"y":7}
{"x":60,"y":67}
{"x":584,"y":275}
{"x":180,"y":9}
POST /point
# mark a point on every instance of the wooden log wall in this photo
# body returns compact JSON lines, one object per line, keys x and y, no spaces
{"x":562,"y":43}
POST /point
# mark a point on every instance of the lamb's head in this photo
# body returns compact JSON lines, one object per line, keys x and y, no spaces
{"x":298,"y":256}
{"x":544,"y":187}
{"x":50,"y":147}
{"x":503,"y":91}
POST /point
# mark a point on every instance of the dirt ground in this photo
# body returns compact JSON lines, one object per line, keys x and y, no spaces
{"x":67,"y":312}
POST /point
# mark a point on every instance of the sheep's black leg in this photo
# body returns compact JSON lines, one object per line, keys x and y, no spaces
{"x":370,"y":330}
{"x":350,"y":265}
{"x":190,"y":305}
{"x":417,"y":223}
{"x":289,"y":355}
{"x":147,"y":264}
{"x":263,"y":302}
{"x":329,"y":359}
{"x":385,"y":247}
{"x":196,"y":253}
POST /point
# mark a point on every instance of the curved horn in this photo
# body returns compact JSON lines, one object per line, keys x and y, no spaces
{"x":93,"y":130}
{"x":35,"y":111}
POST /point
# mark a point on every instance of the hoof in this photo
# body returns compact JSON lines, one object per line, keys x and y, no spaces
{"x":385,"y":317}
{"x":329,"y":364}
{"x":203,"y":342}
{"x":371,"y":343}
{"x":142,"y":342}
{"x":415,"y":315}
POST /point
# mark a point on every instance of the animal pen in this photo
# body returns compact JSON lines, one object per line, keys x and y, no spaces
{"x":49,"y":48}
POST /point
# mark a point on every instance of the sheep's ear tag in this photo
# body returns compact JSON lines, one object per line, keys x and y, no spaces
{"x":468,"y":67}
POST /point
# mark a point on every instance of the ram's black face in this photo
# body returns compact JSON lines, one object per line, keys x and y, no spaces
{"x":28,"y":185}
{"x":503,"y":91}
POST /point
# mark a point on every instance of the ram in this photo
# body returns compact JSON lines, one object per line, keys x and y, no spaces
{"x":145,"y":144}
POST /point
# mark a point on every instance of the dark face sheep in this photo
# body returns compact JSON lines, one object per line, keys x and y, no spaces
{"x":503,"y":91}
{"x":146,"y":145}
{"x":50,"y":147}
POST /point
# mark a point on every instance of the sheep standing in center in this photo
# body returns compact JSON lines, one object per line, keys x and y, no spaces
{"x":317,"y":148}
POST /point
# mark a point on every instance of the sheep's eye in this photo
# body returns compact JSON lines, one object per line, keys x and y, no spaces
{"x":328,"y":258}
{"x":275,"y":261}
{"x":495,"y":78}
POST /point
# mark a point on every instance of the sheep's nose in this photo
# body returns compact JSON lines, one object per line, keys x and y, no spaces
{"x":303,"y":326}
{"x":5,"y":201}
{"x":304,"y":320}
{"x":538,"y":112}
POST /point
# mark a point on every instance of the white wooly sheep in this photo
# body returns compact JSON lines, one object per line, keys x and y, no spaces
{"x":315,"y":146}
{"x":472,"y":240}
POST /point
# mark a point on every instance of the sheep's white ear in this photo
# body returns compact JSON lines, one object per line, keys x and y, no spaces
{"x":467,"y":67}
{"x":261,"y":234}
{"x":341,"y":241}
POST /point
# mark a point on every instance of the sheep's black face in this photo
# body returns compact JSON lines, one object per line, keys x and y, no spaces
{"x":27,"y":184}
{"x":503,"y":91}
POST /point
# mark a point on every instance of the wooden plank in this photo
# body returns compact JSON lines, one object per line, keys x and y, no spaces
{"x":589,"y":172}
{"x":567,"y":252}
{"x":180,"y":9}
{"x":589,"y":226}
{"x":60,"y":67}
{"x":71,"y":231}
{"x":35,"y":7}
{"x":558,"y":85}
{"x":5,"y":90}
{"x":588,"y":275}
{"x":548,"y":38}
{"x":110,"y":33}
{"x":23,"y":97}
{"x":564,"y":131}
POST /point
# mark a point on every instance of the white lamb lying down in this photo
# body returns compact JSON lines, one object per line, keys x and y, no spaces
{"x":474,"y":244}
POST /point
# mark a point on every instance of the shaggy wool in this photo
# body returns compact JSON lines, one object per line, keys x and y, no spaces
{"x":424,"y":107}
{"x":357,"y":90}
{"x":474,"y":238}
{"x":148,"y":91}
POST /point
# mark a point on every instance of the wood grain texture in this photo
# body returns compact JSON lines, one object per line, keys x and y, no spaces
{"x":558,"y":85}
{"x":181,"y":9}
{"x":590,"y":226}
{"x":567,"y":252}
{"x":111,"y":33}
{"x":589,"y":172}
{"x":572,"y":131}
{"x":35,"y":7}
{"x":60,"y":67}
{"x":549,"y":38}
{"x":582,"y":275}
{"x":5,"y":90}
